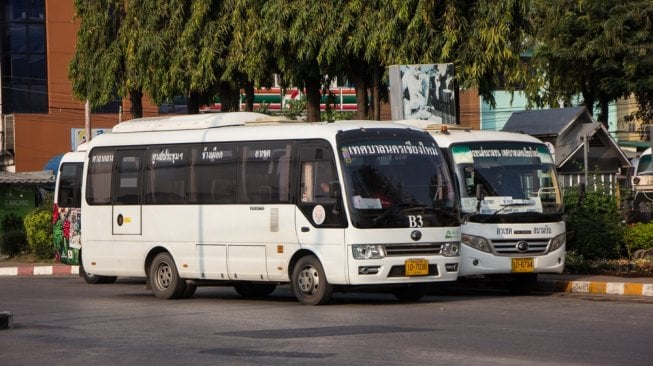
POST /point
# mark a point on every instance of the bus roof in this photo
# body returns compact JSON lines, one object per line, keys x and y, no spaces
{"x":192,"y":122}
{"x":447,"y":135}
{"x":234,"y":126}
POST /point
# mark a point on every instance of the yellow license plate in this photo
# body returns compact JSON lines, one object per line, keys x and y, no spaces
{"x":417,"y":267}
{"x":523,"y":265}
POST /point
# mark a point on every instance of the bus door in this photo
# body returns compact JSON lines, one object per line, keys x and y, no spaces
{"x":127,"y":193}
{"x":320,"y":226}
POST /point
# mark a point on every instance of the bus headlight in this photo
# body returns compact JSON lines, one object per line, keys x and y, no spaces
{"x":368,"y":251}
{"x":476,"y":242}
{"x":450,"y":249}
{"x":557,"y":242}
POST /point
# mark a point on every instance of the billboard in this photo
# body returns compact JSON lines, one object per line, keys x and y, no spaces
{"x":423,"y":91}
{"x":78,"y":136}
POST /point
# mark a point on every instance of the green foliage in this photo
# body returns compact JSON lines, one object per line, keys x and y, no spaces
{"x":638,"y":236}
{"x":339,"y":116}
{"x":295,"y":108}
{"x":13,"y":240}
{"x":594,"y":227}
{"x":575,"y":263}
{"x":97,"y":61}
{"x":11,"y":221}
{"x":600,"y":49}
{"x":38,"y":225}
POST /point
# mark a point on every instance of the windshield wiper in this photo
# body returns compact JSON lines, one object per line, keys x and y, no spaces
{"x":513,"y":204}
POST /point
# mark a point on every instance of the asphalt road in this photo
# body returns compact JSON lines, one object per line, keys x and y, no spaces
{"x":63,"y":321}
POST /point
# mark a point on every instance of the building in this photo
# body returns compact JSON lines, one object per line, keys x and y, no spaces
{"x":580,"y":146}
{"x":40,"y":117}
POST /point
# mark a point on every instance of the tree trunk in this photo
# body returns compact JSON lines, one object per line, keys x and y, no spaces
{"x":361,"y":90}
{"x":249,"y":96}
{"x":376,"y":92}
{"x":229,"y":97}
{"x":604,"y":107}
{"x":193,"y":103}
{"x":136,"y":101}
{"x":313,"y":97}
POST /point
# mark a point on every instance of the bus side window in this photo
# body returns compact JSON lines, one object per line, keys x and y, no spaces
{"x":70,"y":185}
{"x":128,"y":169}
{"x":263,"y":178}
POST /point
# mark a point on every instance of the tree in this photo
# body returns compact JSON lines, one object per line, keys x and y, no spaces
{"x":482,"y":38}
{"x":98,"y":55}
{"x":631,"y":26}
{"x":295,"y":30}
{"x":350,"y":52}
{"x":248,"y":58}
{"x":578,"y":50}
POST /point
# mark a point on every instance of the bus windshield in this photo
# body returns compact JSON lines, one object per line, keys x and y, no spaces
{"x":396,"y":180}
{"x":514,"y":177}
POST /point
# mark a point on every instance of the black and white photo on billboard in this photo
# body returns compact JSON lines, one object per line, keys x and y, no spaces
{"x":427,"y":92}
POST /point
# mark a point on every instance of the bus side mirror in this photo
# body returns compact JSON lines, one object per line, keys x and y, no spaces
{"x":479,"y":196}
{"x":479,"y":192}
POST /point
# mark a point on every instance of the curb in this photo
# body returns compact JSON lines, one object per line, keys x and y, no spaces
{"x":547,"y":285}
{"x":598,"y":287}
{"x":39,"y":271}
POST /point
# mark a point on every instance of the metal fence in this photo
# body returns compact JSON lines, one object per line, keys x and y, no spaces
{"x":605,"y":181}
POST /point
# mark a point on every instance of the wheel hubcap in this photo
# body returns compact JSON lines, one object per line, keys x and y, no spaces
{"x":163,"y":276}
{"x":308,"y":280}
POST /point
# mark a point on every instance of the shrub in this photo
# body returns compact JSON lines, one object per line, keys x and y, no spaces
{"x":38,"y":225}
{"x":638,"y":236}
{"x":596,"y":224}
{"x":13,"y":240}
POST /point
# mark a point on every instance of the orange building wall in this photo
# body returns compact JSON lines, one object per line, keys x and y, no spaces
{"x":39,"y":137}
{"x":470,"y":109}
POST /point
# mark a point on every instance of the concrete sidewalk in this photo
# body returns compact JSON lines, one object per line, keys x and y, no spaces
{"x":583,"y":284}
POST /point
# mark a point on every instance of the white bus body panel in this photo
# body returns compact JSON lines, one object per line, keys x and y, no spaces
{"x":477,"y":262}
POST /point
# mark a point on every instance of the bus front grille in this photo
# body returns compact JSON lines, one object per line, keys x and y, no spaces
{"x":510,"y":247}
{"x":413,"y":249}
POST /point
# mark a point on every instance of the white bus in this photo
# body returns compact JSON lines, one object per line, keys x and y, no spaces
{"x":511,"y":204}
{"x":230,"y":199}
{"x":67,"y":211}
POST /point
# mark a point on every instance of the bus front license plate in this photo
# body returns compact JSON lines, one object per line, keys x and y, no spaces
{"x":417,"y":267}
{"x":523,"y":265}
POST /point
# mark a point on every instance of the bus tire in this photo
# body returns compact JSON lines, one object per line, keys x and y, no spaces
{"x":91,"y":278}
{"x":309,"y":283}
{"x":164,"y":278}
{"x":255,"y":290}
{"x":410,"y":293}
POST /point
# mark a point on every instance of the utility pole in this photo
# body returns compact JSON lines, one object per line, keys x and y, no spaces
{"x":586,"y":149}
{"x":87,"y":120}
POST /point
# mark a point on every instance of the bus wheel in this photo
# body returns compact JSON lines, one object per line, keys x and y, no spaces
{"x":309,"y":283}
{"x":164,"y":278}
{"x":255,"y":290}
{"x":94,"y":279}
{"x":410,"y":293}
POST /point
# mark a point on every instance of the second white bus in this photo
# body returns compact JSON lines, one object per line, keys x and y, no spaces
{"x":225,"y":199}
{"x":511,"y":204}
